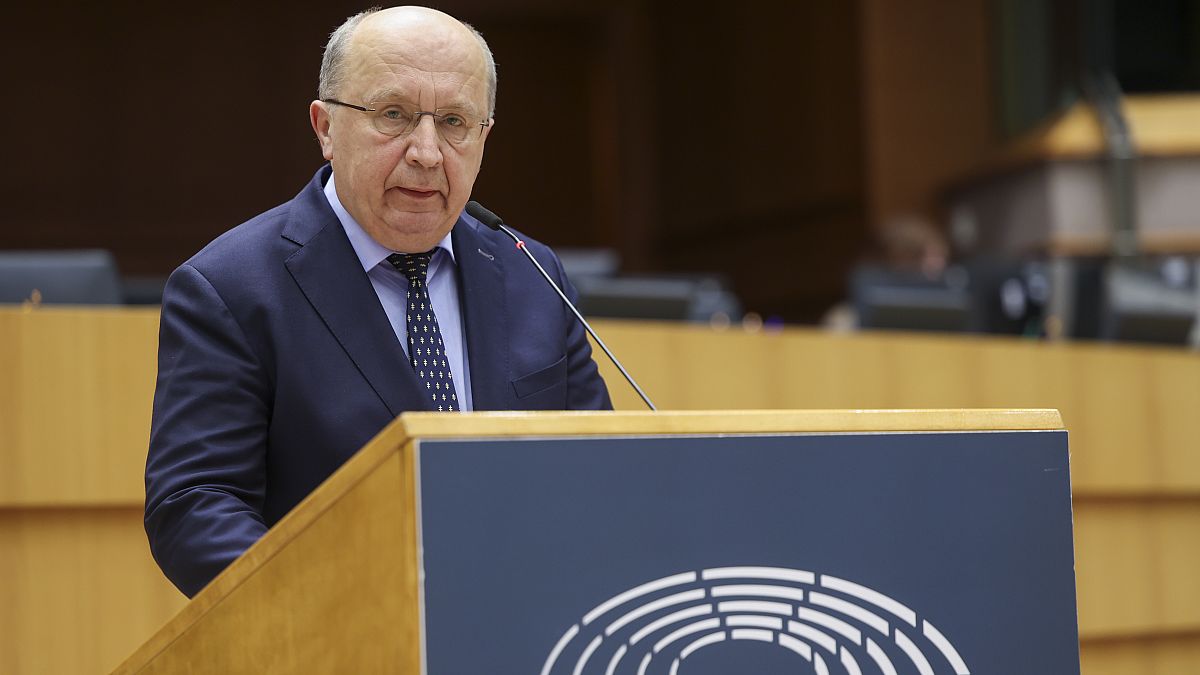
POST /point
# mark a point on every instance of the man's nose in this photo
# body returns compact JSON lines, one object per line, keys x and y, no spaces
{"x":424,"y":146}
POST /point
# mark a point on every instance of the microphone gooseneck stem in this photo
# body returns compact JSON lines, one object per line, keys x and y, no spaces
{"x":521,"y":245}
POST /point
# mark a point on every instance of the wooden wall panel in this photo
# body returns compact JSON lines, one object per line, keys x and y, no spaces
{"x":636,"y":125}
{"x":1171,"y":655}
{"x":75,"y":389}
{"x":75,"y":405}
{"x":206,"y":119}
{"x":761,"y":156}
{"x":310,"y":627}
{"x":928,"y":109}
{"x":1130,"y":409}
{"x":1136,"y":565}
{"x":80,"y":590}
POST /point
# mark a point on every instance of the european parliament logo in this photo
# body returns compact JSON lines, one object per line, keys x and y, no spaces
{"x":822,"y":624}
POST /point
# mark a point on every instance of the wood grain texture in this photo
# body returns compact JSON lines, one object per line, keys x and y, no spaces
{"x":78,"y":589}
{"x":1130,"y":410}
{"x":75,"y":388}
{"x":1161,"y":654}
{"x":332,"y":588}
{"x":912,"y":93}
{"x":489,"y":424}
{"x":75,"y":393}
{"x":1136,"y":569}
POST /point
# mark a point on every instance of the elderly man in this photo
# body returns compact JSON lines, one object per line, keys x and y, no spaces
{"x":291,"y":340}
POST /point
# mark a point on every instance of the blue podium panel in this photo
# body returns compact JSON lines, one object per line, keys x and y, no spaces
{"x":914,"y":553}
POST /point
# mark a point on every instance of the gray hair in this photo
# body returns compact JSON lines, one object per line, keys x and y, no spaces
{"x":490,"y":64}
{"x":333,"y":63}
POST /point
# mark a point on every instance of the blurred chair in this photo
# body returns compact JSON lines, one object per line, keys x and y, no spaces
{"x":902,"y":299}
{"x":1151,"y":300}
{"x":1138,"y":299}
{"x":143,"y":290}
{"x":606,"y":293}
{"x":581,"y":263}
{"x":700,"y":298}
{"x":86,"y":277}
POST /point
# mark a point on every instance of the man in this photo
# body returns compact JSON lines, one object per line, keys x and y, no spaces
{"x":291,"y":340}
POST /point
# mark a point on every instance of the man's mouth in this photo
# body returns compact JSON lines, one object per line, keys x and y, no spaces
{"x":417,"y":193}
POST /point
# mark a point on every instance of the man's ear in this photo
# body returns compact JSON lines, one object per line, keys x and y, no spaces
{"x":318,"y":115}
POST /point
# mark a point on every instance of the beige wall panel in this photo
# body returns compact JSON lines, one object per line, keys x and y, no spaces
{"x":1016,"y":371}
{"x":738,"y":359}
{"x":941,"y":372}
{"x":804,"y":363}
{"x":1175,"y":419}
{"x":1130,"y":410}
{"x":1112,"y":387}
{"x":1137,"y":566}
{"x":652,"y":355}
{"x":85,"y":370}
{"x":1160,"y":656}
{"x":75,"y":390}
{"x":306,"y":630}
{"x":79,"y":589}
{"x":75,"y":398}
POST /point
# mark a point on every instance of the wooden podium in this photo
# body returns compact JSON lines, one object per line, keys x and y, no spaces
{"x":933,"y":541}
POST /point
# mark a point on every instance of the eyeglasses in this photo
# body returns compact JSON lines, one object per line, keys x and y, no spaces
{"x":393,"y":119}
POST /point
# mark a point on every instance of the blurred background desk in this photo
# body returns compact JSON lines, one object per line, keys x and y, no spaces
{"x":80,"y":590}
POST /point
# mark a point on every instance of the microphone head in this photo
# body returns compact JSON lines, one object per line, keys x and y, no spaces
{"x":480,"y":213}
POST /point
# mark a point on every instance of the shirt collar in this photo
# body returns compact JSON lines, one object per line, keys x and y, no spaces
{"x":370,"y":252}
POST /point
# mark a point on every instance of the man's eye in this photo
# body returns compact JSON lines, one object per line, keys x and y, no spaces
{"x":453,"y":120}
{"x":393,"y":114}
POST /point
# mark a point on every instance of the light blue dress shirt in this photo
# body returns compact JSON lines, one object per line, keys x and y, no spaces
{"x":391,"y":286}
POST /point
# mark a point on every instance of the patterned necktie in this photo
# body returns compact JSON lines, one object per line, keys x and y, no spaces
{"x":426,"y":350}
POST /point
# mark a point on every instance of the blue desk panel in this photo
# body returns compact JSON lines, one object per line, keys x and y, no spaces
{"x":819,"y":553}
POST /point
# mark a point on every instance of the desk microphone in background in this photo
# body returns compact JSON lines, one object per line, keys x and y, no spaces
{"x":493,"y":221}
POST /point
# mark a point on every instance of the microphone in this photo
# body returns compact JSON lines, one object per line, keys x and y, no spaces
{"x":493,"y":221}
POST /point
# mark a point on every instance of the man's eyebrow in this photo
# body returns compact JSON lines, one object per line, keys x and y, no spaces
{"x":390,"y":95}
{"x":394,"y":96}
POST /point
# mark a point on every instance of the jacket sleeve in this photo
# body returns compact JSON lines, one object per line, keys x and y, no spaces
{"x":205,"y":471}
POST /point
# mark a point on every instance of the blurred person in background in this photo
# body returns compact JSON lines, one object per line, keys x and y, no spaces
{"x":906,"y":243}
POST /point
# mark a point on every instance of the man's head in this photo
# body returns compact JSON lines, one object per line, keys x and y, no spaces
{"x":405,"y":190}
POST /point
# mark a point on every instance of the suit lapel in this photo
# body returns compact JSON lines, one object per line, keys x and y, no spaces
{"x":331,"y":277}
{"x":485,"y":322}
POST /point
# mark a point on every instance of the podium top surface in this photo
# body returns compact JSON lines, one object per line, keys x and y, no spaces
{"x":502,"y":424}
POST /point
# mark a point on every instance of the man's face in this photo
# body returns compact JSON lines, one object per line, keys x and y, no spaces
{"x":406,"y":191}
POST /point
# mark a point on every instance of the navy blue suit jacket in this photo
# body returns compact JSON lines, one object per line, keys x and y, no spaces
{"x":277,"y":362}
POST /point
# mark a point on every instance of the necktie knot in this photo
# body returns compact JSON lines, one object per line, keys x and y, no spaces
{"x":415,"y":266}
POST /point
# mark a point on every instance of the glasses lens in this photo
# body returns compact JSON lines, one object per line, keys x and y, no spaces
{"x":395,"y":120}
{"x":453,"y":127}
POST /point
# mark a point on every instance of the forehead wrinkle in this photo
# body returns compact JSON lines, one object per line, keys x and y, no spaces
{"x":449,"y":94}
{"x":445,"y":60}
{"x":458,"y":94}
{"x":368,"y":62}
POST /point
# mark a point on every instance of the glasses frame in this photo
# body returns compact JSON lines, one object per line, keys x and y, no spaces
{"x":416,"y":116}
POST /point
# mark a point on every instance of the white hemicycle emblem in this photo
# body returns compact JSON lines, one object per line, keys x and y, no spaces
{"x":836,"y":626}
